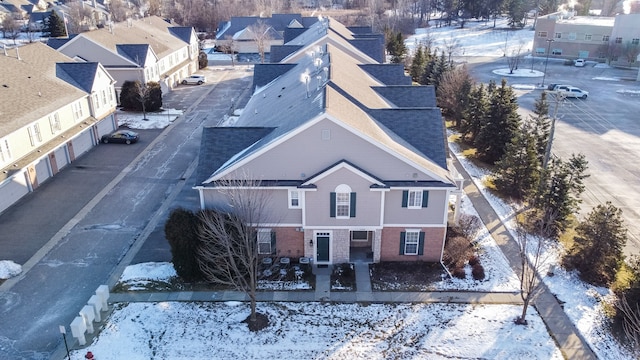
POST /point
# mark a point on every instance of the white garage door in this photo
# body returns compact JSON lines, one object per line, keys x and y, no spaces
{"x":105,"y":126}
{"x":82,"y":143}
{"x":12,"y":189}
{"x":62,"y":159}
{"x":43,"y":171}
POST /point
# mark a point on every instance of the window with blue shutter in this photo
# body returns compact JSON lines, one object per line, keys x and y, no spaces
{"x":332,"y":204}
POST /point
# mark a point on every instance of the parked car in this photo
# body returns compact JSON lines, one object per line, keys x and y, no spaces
{"x":572,"y":92}
{"x":194,"y":79}
{"x":121,"y":136}
{"x":579,"y":62}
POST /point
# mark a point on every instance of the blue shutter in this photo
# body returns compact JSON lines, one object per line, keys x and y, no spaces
{"x":332,"y":205}
{"x":421,"y":244}
{"x":352,"y":205}
{"x":402,"y":237}
{"x":405,"y":198}
{"x":273,"y":241}
{"x":425,"y":198}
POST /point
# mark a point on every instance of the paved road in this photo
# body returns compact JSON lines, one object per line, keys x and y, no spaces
{"x":71,"y":245}
{"x":605,"y":128}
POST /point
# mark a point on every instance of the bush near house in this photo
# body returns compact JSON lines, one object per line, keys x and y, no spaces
{"x":133,"y":94}
{"x":181,"y":230}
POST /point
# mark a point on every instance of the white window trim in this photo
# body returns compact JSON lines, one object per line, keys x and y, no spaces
{"x":415,"y":242}
{"x":291,"y":198}
{"x":261,"y":236}
{"x":343,"y":203}
{"x":418,"y":199}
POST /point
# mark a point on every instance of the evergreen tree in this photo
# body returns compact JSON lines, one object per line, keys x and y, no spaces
{"x":440,"y":68}
{"x":396,"y":47}
{"x":502,"y":123}
{"x":418,"y":65}
{"x":597,"y":247}
{"x":475,"y":114}
{"x":518,"y":171}
{"x":181,"y":231}
{"x":541,"y":125}
{"x":54,"y":26}
{"x":560,"y":190}
{"x":429,"y":68}
{"x":516,"y":13}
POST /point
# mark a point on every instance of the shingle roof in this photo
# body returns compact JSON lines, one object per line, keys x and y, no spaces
{"x":279,"y":52}
{"x":57,"y":42}
{"x":134,"y":52}
{"x":265,"y":73}
{"x":183,"y":33}
{"x":219,"y":144}
{"x":334,"y":83}
{"x":279,"y":22}
{"x":80,"y":74}
{"x":31,"y":89}
{"x":408,"y":95}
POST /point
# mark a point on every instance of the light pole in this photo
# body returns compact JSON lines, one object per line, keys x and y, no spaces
{"x":549,"y":41}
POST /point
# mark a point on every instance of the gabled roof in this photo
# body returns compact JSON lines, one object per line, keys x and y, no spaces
{"x":279,"y":22}
{"x":184,"y":33}
{"x":134,"y":52}
{"x":326,"y":80}
{"x":31,"y":89}
{"x":56,"y":43}
{"x":342,"y":164}
{"x":80,"y":74}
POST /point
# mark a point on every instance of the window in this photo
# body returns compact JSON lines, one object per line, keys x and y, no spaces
{"x":635,"y":42}
{"x":7,"y":148}
{"x":542,"y":34}
{"x":415,"y":199}
{"x":264,"y":241}
{"x":294,"y":199}
{"x":95,"y":100}
{"x":412,"y":242}
{"x":342,"y":202}
{"x":4,"y":151}
{"x":605,"y":37}
{"x":54,"y":122}
{"x":558,"y":36}
{"x":104,"y":97}
{"x":31,"y":139}
{"x":342,"y":205}
{"x":587,"y":37}
{"x":326,"y":134}
{"x":618,"y":40}
{"x":540,"y":51}
{"x":360,"y":235}
{"x":77,"y":111}
{"x":36,"y":130}
{"x":572,"y":36}
{"x":556,"y":52}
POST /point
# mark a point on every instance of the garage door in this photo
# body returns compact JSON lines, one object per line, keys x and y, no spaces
{"x":62,"y":159}
{"x":43,"y":171}
{"x":82,"y":143}
{"x":105,"y":126}
{"x":12,"y":189}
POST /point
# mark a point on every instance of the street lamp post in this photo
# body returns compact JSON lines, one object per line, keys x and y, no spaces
{"x":549,"y":41}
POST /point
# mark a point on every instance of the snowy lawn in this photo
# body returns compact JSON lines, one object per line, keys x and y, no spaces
{"x":9,"y":269}
{"x":172,"y":330}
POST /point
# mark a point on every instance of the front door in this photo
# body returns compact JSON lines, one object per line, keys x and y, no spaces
{"x":322,"y":248}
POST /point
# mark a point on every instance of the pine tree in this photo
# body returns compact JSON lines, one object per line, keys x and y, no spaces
{"x":418,"y":65}
{"x":429,"y":68}
{"x":475,"y":114}
{"x":560,"y":190}
{"x":396,"y":47}
{"x":597,"y":248}
{"x":54,"y":26}
{"x":541,"y":125}
{"x":440,"y":68}
{"x":518,"y":171}
{"x":502,"y":123}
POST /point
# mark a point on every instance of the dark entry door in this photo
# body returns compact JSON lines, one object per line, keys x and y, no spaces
{"x":322,"y":248}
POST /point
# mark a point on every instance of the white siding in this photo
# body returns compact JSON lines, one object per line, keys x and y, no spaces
{"x":12,"y":190}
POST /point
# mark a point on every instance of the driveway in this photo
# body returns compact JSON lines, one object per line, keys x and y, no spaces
{"x":604,"y":127}
{"x":77,"y":230}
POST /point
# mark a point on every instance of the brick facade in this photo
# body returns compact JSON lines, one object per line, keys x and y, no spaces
{"x":390,"y":245}
{"x":289,"y":242}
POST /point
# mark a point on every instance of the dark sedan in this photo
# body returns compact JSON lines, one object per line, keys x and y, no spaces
{"x":121,"y":136}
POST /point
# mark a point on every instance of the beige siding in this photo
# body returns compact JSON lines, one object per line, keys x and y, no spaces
{"x":317,"y":204}
{"x":433,"y":214}
{"x":319,"y":154}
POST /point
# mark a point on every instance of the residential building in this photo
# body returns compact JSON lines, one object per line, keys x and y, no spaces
{"x":353,"y":156}
{"x":147,"y":49}
{"x":52,"y":110}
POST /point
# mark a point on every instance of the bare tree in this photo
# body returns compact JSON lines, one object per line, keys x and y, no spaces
{"x":451,"y":45}
{"x":261,"y":35}
{"x":80,"y":17}
{"x":631,"y":323}
{"x":10,"y":28}
{"x":230,"y":48}
{"x":229,"y":238}
{"x":532,"y":258}
{"x":514,"y":58}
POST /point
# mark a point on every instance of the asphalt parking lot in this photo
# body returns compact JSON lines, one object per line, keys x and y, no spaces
{"x":605,"y":127}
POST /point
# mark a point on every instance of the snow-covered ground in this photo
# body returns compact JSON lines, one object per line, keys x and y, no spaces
{"x":172,"y":330}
